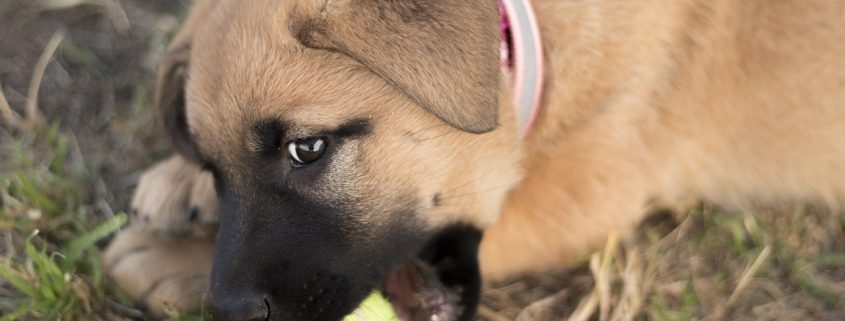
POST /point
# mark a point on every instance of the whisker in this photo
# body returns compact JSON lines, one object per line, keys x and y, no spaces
{"x":428,"y":128}
{"x":438,"y":136}
{"x":469,"y":181}
{"x":491,"y":189}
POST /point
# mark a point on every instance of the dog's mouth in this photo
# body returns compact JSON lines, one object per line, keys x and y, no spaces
{"x":416,"y":294}
{"x":443,"y":283}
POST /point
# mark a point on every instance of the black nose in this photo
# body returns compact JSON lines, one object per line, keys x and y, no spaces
{"x":241,"y":307}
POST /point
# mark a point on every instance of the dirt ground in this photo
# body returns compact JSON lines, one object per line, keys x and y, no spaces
{"x":694,"y":263}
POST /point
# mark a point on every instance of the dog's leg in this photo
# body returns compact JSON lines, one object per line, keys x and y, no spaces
{"x":556,"y":227}
{"x":176,"y":199}
{"x":163,"y":259}
{"x":571,"y":198}
{"x":161,"y":274}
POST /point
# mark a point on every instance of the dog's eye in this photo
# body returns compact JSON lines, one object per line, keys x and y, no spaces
{"x":305,"y":151}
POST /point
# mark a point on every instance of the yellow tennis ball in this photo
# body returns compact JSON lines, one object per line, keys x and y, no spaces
{"x":374,"y":308}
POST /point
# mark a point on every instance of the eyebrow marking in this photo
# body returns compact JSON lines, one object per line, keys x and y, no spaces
{"x":268,"y":136}
{"x":353,"y":128}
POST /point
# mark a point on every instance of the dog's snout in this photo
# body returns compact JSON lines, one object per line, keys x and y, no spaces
{"x":242,"y":307}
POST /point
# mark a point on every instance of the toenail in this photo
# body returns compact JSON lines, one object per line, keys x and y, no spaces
{"x":193,"y":214}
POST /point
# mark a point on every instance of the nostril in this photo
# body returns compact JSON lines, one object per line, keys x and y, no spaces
{"x":242,"y":308}
{"x":267,"y":304}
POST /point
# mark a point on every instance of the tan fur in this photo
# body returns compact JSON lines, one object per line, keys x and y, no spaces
{"x":174,"y":199}
{"x":727,"y":101}
{"x":322,"y":89}
{"x":162,"y":274}
{"x":731,"y":102}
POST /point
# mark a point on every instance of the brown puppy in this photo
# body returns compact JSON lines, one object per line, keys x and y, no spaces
{"x":349,"y":137}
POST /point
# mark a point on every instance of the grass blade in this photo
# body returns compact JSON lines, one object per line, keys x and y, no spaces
{"x":79,"y":245}
{"x":13,"y":277}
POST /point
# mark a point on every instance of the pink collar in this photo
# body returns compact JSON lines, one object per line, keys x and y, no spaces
{"x":522,"y":56}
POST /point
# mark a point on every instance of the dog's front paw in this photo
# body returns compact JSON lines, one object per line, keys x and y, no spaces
{"x":165,"y":276}
{"x":176,"y":199}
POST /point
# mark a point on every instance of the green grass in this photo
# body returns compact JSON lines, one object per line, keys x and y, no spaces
{"x":51,"y":269}
{"x":733,"y":262}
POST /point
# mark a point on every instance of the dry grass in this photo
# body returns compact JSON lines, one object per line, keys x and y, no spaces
{"x":787,"y":264}
{"x":74,"y":86}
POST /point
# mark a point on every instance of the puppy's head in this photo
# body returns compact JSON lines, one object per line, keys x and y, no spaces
{"x":355,"y":146}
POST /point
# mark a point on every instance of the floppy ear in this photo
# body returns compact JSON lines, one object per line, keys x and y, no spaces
{"x":443,"y":54}
{"x":169,"y":97}
{"x":170,"y":101}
